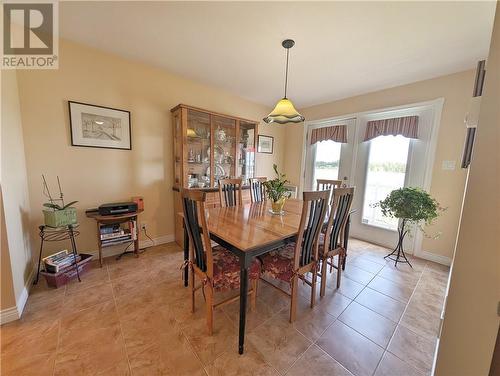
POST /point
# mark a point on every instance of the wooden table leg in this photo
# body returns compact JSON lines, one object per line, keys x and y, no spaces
{"x":136,"y":241}
{"x":186,"y":257}
{"x":99,"y":242}
{"x":346,"y":239}
{"x":243,"y":301}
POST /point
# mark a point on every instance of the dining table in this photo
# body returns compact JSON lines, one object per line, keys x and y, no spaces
{"x":248,"y":231}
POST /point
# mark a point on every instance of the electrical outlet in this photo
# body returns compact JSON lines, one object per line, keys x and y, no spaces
{"x":144,"y":226}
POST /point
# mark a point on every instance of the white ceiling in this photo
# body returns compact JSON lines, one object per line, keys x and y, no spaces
{"x":342,"y":48}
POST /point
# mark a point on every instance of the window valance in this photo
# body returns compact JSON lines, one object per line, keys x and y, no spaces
{"x":405,"y":126}
{"x":337,"y":133}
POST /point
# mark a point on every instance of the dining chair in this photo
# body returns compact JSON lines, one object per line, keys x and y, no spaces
{"x":292,"y":262}
{"x":331,"y":242}
{"x":230,"y":192}
{"x":217,"y":268}
{"x":257,"y":189}
{"x":324,"y":184}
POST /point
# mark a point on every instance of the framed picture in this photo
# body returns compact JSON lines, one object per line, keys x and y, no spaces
{"x":265,"y":144}
{"x":99,"y":127}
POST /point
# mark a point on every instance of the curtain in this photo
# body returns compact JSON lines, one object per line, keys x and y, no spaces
{"x":337,"y":133}
{"x":405,"y":126}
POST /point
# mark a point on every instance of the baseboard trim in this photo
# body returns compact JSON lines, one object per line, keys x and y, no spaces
{"x":429,"y":256}
{"x":21,"y":303}
{"x":145,"y":243}
{"x":14,"y":313}
{"x":8,"y":315}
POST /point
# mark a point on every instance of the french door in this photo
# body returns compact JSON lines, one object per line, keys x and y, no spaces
{"x":376,"y":167}
{"x":329,"y":159}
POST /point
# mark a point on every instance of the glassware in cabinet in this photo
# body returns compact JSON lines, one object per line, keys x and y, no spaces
{"x":198,"y":149}
{"x":224,"y":150}
{"x":246,"y":150}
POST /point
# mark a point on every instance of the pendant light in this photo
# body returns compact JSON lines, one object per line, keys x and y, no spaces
{"x":284,"y":112}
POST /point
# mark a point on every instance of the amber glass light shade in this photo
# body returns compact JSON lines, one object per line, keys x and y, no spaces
{"x":284,"y":113}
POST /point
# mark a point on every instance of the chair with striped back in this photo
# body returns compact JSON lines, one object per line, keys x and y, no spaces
{"x":324,"y":184}
{"x":217,"y":268}
{"x":297,"y":258}
{"x":230,"y":192}
{"x":331,"y":242}
{"x":257,"y":189}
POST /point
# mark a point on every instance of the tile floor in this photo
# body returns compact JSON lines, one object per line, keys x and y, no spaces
{"x":132,"y":317}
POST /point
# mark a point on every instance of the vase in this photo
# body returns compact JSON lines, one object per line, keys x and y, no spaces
{"x":277,"y":206}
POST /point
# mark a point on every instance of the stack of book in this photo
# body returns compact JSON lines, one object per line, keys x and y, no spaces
{"x":59,"y":261}
{"x":114,"y":234}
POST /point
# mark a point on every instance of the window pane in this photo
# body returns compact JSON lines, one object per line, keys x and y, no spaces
{"x":386,"y":172}
{"x":326,"y":164}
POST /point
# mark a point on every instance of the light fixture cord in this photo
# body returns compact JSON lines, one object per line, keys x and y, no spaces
{"x":286,"y":71}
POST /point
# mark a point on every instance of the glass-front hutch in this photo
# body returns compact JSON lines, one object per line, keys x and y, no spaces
{"x":209,"y":146}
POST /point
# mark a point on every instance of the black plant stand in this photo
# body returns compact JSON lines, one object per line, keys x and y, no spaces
{"x":399,"y":252}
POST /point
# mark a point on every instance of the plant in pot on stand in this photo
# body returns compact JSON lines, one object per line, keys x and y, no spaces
{"x":59,"y":213}
{"x":277,"y":192}
{"x":412,"y":206}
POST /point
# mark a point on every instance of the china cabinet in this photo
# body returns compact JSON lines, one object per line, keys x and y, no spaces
{"x":209,"y":146}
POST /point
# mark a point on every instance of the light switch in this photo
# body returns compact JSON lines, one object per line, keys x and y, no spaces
{"x":448,"y":165}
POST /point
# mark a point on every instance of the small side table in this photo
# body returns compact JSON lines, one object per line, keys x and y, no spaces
{"x":116,"y":219}
{"x":56,"y":234}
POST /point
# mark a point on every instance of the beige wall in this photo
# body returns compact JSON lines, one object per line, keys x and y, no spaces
{"x":7,"y":297}
{"x":447,"y":186}
{"x":94,"y":176}
{"x":14,"y":181}
{"x":471,"y":321}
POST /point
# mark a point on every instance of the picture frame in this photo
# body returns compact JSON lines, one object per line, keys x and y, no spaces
{"x":265,"y":144}
{"x":99,"y":126}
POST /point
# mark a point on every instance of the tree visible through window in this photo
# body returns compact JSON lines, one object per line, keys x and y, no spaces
{"x":386,"y":171}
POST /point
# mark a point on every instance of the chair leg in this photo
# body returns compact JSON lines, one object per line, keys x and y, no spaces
{"x":339,"y":270}
{"x":253,"y":300}
{"x":210,"y":308}
{"x":313,"y":286}
{"x":293,"y":305}
{"x":192,"y":290}
{"x":323,"y":278}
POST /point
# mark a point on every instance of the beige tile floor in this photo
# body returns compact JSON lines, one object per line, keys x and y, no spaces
{"x":132,"y":317}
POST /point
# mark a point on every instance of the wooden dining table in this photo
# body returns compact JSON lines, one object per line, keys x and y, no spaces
{"x":249,"y":231}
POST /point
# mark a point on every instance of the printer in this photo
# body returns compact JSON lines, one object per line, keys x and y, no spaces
{"x":118,"y":208}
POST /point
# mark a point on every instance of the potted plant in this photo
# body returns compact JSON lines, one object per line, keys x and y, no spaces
{"x":277,"y":192}
{"x":58,"y":214}
{"x":411,"y":206}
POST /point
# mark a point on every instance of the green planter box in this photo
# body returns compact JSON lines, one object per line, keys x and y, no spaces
{"x":60,"y":218}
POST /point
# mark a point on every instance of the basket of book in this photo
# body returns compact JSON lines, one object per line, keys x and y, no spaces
{"x":59,"y":268}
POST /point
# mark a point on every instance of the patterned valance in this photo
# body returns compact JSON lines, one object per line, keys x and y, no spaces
{"x":337,"y":133}
{"x":405,"y":126}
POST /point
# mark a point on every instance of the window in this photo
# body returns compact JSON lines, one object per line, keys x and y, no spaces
{"x":326,"y":161}
{"x":386,"y":171}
